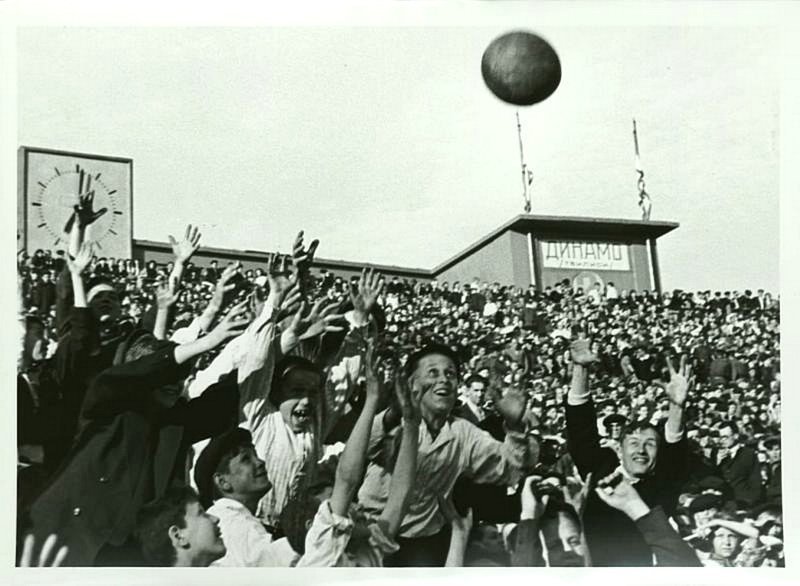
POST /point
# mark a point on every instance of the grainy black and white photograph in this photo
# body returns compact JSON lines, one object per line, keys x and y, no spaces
{"x":404,"y":295}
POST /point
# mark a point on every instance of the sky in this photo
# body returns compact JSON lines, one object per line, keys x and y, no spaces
{"x":386,"y":145}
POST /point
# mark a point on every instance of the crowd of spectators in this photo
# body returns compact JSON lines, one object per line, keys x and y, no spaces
{"x":575,"y":377}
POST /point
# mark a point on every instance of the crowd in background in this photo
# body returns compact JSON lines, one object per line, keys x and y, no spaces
{"x":505,"y":342}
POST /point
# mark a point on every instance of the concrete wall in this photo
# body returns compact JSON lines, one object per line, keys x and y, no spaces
{"x":494,"y":261}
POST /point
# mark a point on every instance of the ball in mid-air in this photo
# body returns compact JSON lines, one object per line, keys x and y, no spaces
{"x":521,"y":68}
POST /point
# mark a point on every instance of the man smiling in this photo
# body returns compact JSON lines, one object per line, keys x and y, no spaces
{"x":448,"y":447}
{"x":656,"y":466}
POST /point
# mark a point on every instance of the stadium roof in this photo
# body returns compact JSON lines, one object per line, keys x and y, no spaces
{"x":562,"y":225}
{"x":571,"y":226}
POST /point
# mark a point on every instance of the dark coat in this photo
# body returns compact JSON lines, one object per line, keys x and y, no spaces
{"x":614,"y":539}
{"x":127,"y":453}
{"x":743,"y":474}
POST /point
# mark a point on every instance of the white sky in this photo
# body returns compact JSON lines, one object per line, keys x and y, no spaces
{"x":386,"y":145}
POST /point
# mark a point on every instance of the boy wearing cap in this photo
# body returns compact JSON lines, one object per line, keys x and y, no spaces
{"x":231,"y":479}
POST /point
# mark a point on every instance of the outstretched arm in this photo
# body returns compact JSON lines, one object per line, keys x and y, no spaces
{"x":583,"y":440}
{"x":183,"y":251}
{"x":405,"y":468}
{"x":353,"y":462}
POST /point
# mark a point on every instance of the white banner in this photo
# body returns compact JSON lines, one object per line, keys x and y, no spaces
{"x":598,"y":256}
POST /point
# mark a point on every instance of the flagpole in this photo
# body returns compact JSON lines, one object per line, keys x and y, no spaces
{"x":644,"y":199}
{"x":523,"y":168}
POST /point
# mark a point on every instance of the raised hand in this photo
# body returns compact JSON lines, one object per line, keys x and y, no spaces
{"x":84,"y":209}
{"x":366,"y":293}
{"x":81,"y":260}
{"x":580,"y":351}
{"x":680,"y":382}
{"x":374,"y":387}
{"x":617,"y":492}
{"x":513,"y":408}
{"x":167,"y":293}
{"x":46,"y":559}
{"x":533,"y":507}
{"x":233,"y":324}
{"x":279,"y":278}
{"x":309,"y":324}
{"x":408,"y":401}
{"x":576,"y":491}
{"x":302,"y":257}
{"x":223,"y":285}
{"x":184,"y":249}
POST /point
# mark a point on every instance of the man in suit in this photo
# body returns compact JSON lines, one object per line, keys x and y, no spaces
{"x":655,"y":463}
{"x":739,"y":466}
{"x":132,"y":445}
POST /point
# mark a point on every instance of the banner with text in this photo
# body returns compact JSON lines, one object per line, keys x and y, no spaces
{"x":598,"y":256}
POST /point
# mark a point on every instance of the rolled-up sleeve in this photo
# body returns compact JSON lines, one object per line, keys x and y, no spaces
{"x":327,"y":539}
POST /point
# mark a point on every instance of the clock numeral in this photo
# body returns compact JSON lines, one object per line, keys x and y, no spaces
{"x":96,"y":177}
{"x":57,"y":171}
{"x":42,"y":184}
{"x":42,"y":225}
{"x":112,"y":231}
{"x":112,"y":192}
{"x":36,"y":203}
{"x":117,"y":213}
{"x":57,"y":241}
{"x":97,"y":244}
{"x":77,"y":168}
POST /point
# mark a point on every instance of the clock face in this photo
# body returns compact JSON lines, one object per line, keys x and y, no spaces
{"x":58,"y":194}
{"x":53,"y":181}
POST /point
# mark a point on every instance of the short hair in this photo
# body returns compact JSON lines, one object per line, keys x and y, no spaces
{"x":476,"y":378}
{"x":635,"y":426}
{"x":556,"y":506}
{"x":283,"y":368}
{"x":427,"y":350}
{"x":155,"y":519}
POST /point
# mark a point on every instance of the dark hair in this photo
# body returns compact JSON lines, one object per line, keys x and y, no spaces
{"x":476,"y":378}
{"x":283,"y":368}
{"x":155,"y":519}
{"x":223,"y":466}
{"x":427,"y":350}
{"x":640,"y":426}
{"x":295,"y":518}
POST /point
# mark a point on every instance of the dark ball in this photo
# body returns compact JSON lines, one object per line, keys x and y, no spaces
{"x":521,"y":68}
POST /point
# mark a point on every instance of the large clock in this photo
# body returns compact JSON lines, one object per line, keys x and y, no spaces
{"x":50,"y":183}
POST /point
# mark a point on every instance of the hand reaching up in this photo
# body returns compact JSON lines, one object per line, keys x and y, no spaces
{"x":303,"y":257}
{"x":408,"y":401}
{"x":366,"y":294}
{"x":167,"y":294}
{"x":233,"y":324}
{"x":78,"y":264}
{"x":223,"y":285}
{"x":680,"y":382}
{"x":184,"y":249}
{"x":576,"y":491}
{"x":308,"y":324}
{"x":83,"y":211}
{"x":512,"y":407}
{"x":580,"y":351}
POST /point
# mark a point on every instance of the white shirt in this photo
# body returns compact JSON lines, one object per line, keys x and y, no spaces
{"x":247,"y":541}
{"x":328,"y":543}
